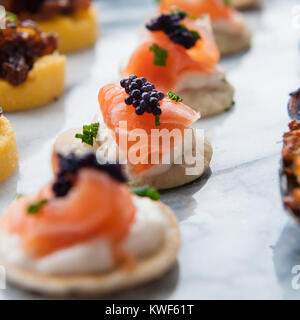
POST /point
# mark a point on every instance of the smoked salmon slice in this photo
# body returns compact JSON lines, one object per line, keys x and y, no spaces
{"x":202,"y":57}
{"x":175,"y":115}
{"x":217,"y":9}
{"x":96,"y":206}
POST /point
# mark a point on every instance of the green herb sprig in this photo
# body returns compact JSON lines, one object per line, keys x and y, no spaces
{"x":10,"y":17}
{"x":36,"y":207}
{"x":224,"y":80}
{"x":195,"y":34}
{"x":160,"y":55}
{"x":157,"y":121}
{"x":227,"y":3}
{"x":148,"y":192}
{"x":89,"y":132}
{"x":175,"y":97}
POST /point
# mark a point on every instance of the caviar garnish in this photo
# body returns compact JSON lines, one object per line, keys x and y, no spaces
{"x":21,"y":43}
{"x":146,"y":191}
{"x":36,"y":207}
{"x":89,"y":132}
{"x":160,"y":55}
{"x":70,"y":165}
{"x":175,"y":97}
{"x":171,"y":26}
{"x":1,"y":112}
{"x":142,"y":96}
{"x":43,"y":9}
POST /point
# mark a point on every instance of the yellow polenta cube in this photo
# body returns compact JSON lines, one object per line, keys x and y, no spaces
{"x":8,"y":149}
{"x":76,"y":31}
{"x":45,"y":83}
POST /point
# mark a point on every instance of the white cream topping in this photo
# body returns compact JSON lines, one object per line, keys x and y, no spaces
{"x":66,"y":143}
{"x":145,"y":238}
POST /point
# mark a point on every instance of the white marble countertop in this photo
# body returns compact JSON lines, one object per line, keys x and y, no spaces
{"x":237,"y":241}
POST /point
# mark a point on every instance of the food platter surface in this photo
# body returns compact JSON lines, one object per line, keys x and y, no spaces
{"x":237,"y":240}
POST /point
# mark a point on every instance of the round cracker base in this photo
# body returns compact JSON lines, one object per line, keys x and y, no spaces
{"x":175,"y":177}
{"x":230,"y":43}
{"x":146,"y":269}
{"x":209,"y":101}
{"x":244,"y":4}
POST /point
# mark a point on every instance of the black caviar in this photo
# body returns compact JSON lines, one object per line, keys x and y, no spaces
{"x":142,"y":96}
{"x":70,"y":165}
{"x":178,"y":33}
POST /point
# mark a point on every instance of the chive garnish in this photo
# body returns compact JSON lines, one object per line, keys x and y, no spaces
{"x":175,"y":97}
{"x":231,"y":106}
{"x":157,"y":122}
{"x":224,"y":80}
{"x":19,"y":195}
{"x":146,"y":191}
{"x":195,"y":34}
{"x":160,"y":55}
{"x":36,"y":207}
{"x":227,"y":2}
{"x":89,"y":132}
{"x":10,"y":17}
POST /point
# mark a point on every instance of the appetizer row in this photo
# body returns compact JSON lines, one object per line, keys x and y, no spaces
{"x":177,"y":54}
{"x":147,"y":131}
{"x":98,"y":226}
{"x":86,"y":232}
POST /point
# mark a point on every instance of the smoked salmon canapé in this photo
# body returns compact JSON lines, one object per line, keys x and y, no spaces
{"x":150,"y":133}
{"x":8,"y":148}
{"x":230,"y":30}
{"x":179,"y":54}
{"x":87,"y":233}
{"x":74,"y":21}
{"x":32,"y":73}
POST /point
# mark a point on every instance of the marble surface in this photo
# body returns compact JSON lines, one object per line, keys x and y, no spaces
{"x":237,"y":241}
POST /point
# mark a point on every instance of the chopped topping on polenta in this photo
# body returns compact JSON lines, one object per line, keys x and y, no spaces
{"x":291,"y":163}
{"x":43,"y":9}
{"x":20,"y":44}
